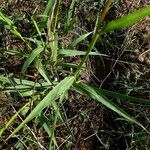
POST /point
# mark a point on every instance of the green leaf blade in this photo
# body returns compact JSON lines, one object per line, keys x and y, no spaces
{"x":97,"y":95}
{"x":71,"y":53}
{"x":31,"y":57}
{"x":127,"y":20}
{"x":57,"y":91}
{"x":126,"y":97}
{"x":46,"y":13}
{"x":79,"y":39}
{"x":39,"y":66}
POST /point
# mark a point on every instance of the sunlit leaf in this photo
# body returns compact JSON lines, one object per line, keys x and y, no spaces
{"x":71,"y":53}
{"x":2,"y":130}
{"x":57,"y":91}
{"x":127,"y":20}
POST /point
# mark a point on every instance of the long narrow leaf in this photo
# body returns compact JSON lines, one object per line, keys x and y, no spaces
{"x":42,"y":70}
{"x":17,"y":81}
{"x":97,"y":95}
{"x":69,"y":22}
{"x":13,"y":52}
{"x":10,"y":25}
{"x":127,"y":20}
{"x":79,"y":39}
{"x":71,"y":53}
{"x":47,"y":12}
{"x":2,"y":130}
{"x":30,"y":59}
{"x":63,"y":86}
{"x":46,"y":125}
{"x":125,"y":97}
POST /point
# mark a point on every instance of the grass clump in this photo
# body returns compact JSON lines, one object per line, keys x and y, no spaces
{"x":54,"y":77}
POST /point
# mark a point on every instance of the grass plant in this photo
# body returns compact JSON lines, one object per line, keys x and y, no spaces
{"x":53,"y":89}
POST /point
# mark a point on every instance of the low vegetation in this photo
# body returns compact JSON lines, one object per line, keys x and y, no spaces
{"x":53,"y":60}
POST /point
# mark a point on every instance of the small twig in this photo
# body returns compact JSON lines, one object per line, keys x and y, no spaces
{"x":41,"y":146}
{"x":144,"y":52}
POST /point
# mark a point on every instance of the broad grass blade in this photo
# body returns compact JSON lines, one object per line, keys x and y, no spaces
{"x":125,"y":97}
{"x":22,"y":87}
{"x":30,"y":59}
{"x":71,"y":53}
{"x":42,"y":71}
{"x":10,"y":26}
{"x":2,"y":130}
{"x":127,"y":20}
{"x":17,"y":81}
{"x":13,"y":52}
{"x":98,"y":96}
{"x":47,"y":11}
{"x":36,"y":26}
{"x":78,"y":40}
{"x":57,"y":91}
